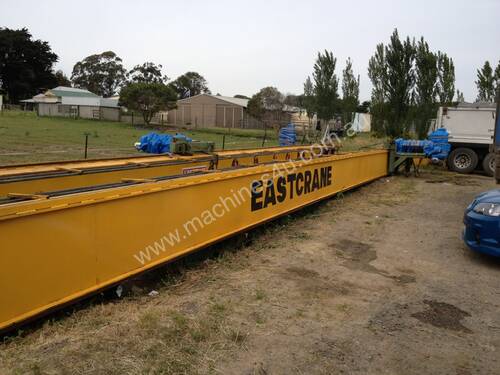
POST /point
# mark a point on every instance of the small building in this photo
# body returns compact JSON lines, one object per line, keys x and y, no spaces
{"x":206,"y":110}
{"x":73,"y":102}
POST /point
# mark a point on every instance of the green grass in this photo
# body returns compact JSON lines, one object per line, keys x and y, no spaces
{"x":363,"y":142}
{"x":26,"y":138}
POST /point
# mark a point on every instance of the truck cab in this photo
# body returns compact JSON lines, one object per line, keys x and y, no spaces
{"x":471,"y":129}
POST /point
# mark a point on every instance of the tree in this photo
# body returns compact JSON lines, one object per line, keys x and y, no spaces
{"x":190,"y":84}
{"x":102,"y":74}
{"x":364,"y":107}
{"x":256,"y":109}
{"x":294,"y":100}
{"x":268,"y":100}
{"x":326,"y":86}
{"x":497,"y":76}
{"x":350,"y":91}
{"x":377,"y":72}
{"x":272,"y":98}
{"x":255,"y":106}
{"x":238,"y":96}
{"x":25,"y":65}
{"x":460,"y":96}
{"x":446,"y":78}
{"x":62,"y":79}
{"x":309,"y":101}
{"x":485,"y":83}
{"x":426,"y":74}
{"x":399,"y":82}
{"x":148,"y":98}
{"x":408,"y":79}
{"x":146,"y":73}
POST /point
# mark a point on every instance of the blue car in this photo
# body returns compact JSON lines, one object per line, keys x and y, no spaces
{"x":482,"y":223}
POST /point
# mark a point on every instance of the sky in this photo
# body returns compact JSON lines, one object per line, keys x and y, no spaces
{"x":240,"y":47}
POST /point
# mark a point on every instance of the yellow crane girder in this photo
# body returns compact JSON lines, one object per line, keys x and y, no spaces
{"x":44,"y":177}
{"x":56,"y":249}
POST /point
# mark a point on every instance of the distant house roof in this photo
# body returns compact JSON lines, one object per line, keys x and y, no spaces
{"x":236,"y":101}
{"x":70,"y":91}
{"x":72,"y":96}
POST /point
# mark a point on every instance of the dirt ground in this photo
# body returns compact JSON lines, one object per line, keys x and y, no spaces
{"x":375,"y":281}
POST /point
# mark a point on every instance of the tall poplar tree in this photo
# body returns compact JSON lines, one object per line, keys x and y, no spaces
{"x":350,"y":91}
{"x":399,"y":82}
{"x":485,"y":83}
{"x":426,"y":75}
{"x":377,"y":72}
{"x":326,"y":86}
{"x":446,"y":79}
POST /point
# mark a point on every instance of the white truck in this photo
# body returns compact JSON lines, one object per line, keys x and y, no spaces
{"x":471,"y":128}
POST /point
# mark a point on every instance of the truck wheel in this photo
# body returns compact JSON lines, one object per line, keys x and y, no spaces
{"x":489,"y":164}
{"x":463,"y":160}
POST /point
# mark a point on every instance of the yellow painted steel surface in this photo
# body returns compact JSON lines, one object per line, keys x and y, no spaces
{"x":56,"y":250}
{"x":141,"y":158}
{"x":35,"y":178}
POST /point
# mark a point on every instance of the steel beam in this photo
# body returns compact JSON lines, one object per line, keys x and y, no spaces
{"x":56,"y":249}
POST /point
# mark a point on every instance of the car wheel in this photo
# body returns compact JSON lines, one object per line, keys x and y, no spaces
{"x":463,"y":160}
{"x":489,"y":164}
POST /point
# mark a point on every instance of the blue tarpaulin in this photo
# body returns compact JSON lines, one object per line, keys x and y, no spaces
{"x":154,"y":143}
{"x":440,"y":147}
{"x":411,"y":146}
{"x":287,"y":136}
{"x":435,"y":147}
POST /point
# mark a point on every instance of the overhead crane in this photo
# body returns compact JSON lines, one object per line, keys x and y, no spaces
{"x":64,"y":238}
